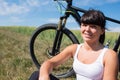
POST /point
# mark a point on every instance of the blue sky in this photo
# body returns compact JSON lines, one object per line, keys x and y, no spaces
{"x":38,"y":12}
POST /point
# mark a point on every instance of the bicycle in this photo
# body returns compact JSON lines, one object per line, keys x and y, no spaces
{"x":51,"y":38}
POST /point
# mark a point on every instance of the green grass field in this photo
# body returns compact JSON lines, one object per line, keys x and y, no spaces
{"x":15,"y":60}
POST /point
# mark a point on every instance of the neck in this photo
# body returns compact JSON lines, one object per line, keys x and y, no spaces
{"x":93,"y":46}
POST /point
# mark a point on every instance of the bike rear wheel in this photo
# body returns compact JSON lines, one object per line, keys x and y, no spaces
{"x":41,"y":44}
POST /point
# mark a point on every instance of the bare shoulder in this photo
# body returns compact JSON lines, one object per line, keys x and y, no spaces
{"x":111,"y":65}
{"x":72,"y":48}
{"x":111,"y":52}
{"x":111,"y":55}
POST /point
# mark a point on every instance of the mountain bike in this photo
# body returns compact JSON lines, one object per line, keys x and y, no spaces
{"x":50,"y":39}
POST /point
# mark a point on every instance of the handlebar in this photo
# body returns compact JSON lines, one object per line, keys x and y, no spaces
{"x":112,"y":20}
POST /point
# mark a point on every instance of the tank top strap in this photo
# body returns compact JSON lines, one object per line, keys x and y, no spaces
{"x":77,"y":50}
{"x":100,"y":58}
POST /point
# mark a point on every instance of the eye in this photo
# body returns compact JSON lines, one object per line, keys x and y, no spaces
{"x":84,"y":25}
{"x":93,"y":26}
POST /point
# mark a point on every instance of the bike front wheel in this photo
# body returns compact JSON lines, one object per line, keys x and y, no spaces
{"x":41,"y":44}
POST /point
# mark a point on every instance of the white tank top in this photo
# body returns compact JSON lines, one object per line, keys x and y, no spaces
{"x":93,"y":71}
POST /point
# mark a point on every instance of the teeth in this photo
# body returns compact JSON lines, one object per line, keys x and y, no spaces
{"x":87,"y":34}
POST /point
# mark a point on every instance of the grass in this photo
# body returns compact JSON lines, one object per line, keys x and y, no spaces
{"x":15,"y":60}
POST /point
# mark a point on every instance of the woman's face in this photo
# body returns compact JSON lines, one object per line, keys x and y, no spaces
{"x":91,"y":32}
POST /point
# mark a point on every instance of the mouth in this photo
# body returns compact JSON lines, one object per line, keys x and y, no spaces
{"x":87,"y":35}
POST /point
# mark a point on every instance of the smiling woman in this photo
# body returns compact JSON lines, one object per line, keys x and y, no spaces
{"x":91,"y":59}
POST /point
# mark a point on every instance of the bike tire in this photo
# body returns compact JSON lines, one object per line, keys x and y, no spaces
{"x":40,"y":44}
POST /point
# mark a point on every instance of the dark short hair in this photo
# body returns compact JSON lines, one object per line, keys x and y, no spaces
{"x":95,"y":17}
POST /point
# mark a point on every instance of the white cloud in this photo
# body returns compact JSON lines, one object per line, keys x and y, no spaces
{"x":115,"y":29}
{"x":23,"y":6}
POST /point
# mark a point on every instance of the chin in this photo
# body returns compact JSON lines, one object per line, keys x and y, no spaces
{"x":87,"y":39}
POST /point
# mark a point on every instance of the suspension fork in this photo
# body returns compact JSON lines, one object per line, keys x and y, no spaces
{"x":58,"y":37}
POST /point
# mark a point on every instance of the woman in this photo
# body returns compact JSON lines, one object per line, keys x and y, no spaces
{"x":92,"y":61}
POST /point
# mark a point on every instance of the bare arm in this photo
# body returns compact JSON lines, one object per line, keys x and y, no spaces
{"x":48,"y":65}
{"x":111,"y":66}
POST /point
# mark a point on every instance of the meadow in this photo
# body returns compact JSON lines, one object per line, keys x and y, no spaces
{"x":15,"y":60}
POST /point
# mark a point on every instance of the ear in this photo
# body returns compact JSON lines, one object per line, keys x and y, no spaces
{"x":102,"y":31}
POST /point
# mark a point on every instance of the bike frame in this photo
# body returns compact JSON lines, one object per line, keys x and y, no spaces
{"x":73,"y":11}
